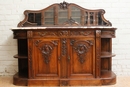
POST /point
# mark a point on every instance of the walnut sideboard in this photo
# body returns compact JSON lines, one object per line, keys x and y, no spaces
{"x":64,"y":45}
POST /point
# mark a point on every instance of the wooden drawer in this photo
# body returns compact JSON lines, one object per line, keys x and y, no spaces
{"x":20,"y":34}
{"x":108,"y":34}
{"x":44,"y":33}
{"x":85,"y":33}
{"x":63,"y":33}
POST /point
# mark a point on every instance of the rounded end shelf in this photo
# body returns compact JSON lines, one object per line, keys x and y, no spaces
{"x":20,"y":80}
{"x":107,"y":54}
{"x":108,"y":77}
{"x":20,"y":56}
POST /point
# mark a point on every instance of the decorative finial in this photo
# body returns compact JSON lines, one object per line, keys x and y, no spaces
{"x":64,"y":5}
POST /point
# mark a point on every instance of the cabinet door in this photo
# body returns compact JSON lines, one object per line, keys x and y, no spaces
{"x":45,"y":58}
{"x":82,"y":58}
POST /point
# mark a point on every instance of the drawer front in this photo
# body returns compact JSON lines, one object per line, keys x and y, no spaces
{"x":108,"y":34}
{"x":45,"y":33}
{"x":20,"y":34}
{"x":63,"y":33}
{"x":82,"y":33}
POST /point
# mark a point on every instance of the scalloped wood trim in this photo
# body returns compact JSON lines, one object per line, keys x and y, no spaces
{"x":87,"y":19}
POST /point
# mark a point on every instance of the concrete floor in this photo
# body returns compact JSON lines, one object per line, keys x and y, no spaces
{"x":6,"y":81}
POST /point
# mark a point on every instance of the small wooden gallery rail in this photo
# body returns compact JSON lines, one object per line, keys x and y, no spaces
{"x":64,"y":44}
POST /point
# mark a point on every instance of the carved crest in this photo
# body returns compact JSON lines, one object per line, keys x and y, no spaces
{"x":71,"y":22}
{"x":64,"y":83}
{"x":64,"y":5}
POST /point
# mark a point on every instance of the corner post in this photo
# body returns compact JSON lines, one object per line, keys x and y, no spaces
{"x":30,"y":48}
{"x":98,"y":53}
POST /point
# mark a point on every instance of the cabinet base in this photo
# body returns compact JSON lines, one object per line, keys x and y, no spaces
{"x":107,"y":78}
{"x":20,"y":80}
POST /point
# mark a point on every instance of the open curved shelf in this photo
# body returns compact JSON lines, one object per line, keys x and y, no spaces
{"x":108,"y":77}
{"x":20,"y":80}
{"x":20,"y":56}
{"x":107,"y":54}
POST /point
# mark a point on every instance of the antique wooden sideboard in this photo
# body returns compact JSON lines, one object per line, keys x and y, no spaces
{"x":64,"y":44}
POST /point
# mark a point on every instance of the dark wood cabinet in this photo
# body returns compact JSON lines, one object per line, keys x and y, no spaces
{"x":64,"y":44}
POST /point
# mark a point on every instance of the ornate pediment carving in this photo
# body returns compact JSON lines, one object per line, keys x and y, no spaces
{"x":64,"y":5}
{"x":64,"y":13}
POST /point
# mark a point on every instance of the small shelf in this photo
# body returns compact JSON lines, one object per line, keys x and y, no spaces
{"x":63,"y":17}
{"x":107,"y":54}
{"x":49,"y":21}
{"x":107,"y":36}
{"x":62,"y":11}
{"x":20,"y":56}
{"x":108,"y":77}
{"x":76,"y":17}
{"x":47,"y":17}
{"x":75,"y":10}
{"x":107,"y":74}
{"x":20,"y":80}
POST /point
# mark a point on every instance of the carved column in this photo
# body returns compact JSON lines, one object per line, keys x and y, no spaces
{"x":98,"y":53}
{"x":64,"y":58}
{"x":30,"y":48}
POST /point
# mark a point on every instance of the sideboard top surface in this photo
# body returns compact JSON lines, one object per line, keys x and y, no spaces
{"x":64,"y":27}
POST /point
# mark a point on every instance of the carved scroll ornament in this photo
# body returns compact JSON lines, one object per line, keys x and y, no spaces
{"x":64,"y":46}
{"x":71,"y":22}
{"x":46,"y":49}
{"x":82,"y":33}
{"x":64,"y":5}
{"x":81,"y":49}
{"x":47,"y":33}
